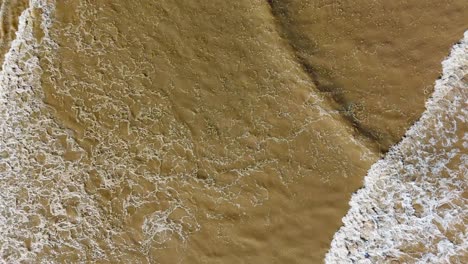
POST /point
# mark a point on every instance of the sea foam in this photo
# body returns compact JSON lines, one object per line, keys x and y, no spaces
{"x":412,"y":207}
{"x":22,"y":231}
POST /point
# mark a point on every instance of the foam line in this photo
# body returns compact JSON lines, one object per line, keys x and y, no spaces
{"x":19,"y":100}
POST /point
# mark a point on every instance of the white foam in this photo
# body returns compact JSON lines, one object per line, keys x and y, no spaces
{"x":17,"y":78}
{"x":34,"y":196}
{"x":412,"y":200}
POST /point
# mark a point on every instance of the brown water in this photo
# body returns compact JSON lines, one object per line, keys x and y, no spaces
{"x":377,"y":59}
{"x":208,"y":131}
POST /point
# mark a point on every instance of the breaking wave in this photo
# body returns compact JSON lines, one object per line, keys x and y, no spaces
{"x":413,"y":205}
{"x":20,"y":131}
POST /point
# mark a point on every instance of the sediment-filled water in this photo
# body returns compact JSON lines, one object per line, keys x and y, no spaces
{"x":233,"y":132}
{"x":413,"y":205}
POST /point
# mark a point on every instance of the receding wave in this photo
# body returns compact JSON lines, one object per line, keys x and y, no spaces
{"x":413,"y":206}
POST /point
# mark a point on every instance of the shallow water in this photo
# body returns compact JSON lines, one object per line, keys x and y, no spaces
{"x":413,"y":206}
{"x":162,"y":132}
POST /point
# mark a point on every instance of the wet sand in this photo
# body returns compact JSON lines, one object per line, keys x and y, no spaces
{"x":216,"y":132}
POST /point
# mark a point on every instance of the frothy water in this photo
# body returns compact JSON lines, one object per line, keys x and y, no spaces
{"x":20,"y":144}
{"x":45,"y":202}
{"x":413,"y":206}
{"x":56,"y":199}
{"x":129,"y":180}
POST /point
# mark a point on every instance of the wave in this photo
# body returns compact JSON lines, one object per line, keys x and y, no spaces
{"x":413,"y":205}
{"x":38,"y":198}
{"x":22,"y":125}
